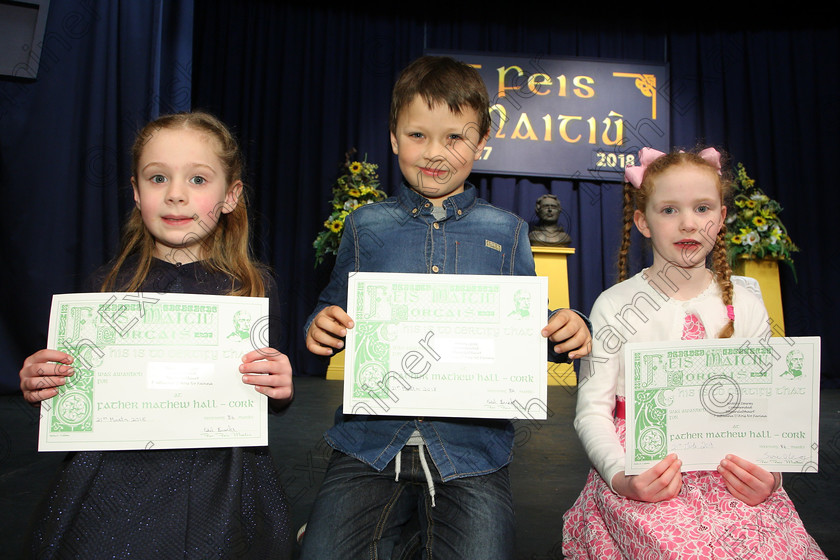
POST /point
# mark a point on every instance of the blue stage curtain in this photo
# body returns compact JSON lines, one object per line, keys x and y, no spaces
{"x":301,"y":87}
{"x":305,"y":84}
{"x":107,"y":67}
{"x":301,"y":84}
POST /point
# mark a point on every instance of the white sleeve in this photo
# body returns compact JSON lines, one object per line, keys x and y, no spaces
{"x":596,"y":397}
{"x":751,"y":319}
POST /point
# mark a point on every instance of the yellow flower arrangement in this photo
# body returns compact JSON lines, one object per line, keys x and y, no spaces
{"x":357,"y":185}
{"x":754,"y":230}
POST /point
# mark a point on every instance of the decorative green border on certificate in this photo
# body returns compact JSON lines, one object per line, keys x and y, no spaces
{"x":372,"y":351}
{"x":74,"y":404}
{"x":651,"y":432}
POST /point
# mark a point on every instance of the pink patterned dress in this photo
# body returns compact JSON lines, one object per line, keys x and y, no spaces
{"x":703,"y":522}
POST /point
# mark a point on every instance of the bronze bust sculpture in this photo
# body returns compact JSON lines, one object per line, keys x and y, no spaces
{"x":548,"y":232}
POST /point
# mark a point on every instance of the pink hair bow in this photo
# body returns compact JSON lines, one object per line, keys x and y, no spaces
{"x":712,"y":157}
{"x":634,"y":174}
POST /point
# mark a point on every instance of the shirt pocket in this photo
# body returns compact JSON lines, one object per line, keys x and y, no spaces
{"x":479,"y":256}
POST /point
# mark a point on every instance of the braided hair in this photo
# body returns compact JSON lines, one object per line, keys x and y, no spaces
{"x":637,"y":199}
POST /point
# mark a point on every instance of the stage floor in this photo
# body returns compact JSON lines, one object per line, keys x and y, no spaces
{"x":548,"y":470}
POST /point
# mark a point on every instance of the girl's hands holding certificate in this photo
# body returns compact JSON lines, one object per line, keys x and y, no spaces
{"x":43,"y":373}
{"x":270,"y":372}
{"x":746,"y":481}
{"x":659,"y":483}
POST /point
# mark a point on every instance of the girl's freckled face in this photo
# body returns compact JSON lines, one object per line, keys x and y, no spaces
{"x":683,"y":216}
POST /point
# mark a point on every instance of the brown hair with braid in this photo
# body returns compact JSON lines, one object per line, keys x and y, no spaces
{"x":637,"y":199}
{"x":228,"y":248}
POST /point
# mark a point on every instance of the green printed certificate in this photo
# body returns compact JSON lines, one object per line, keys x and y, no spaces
{"x":155,"y":371}
{"x":452,"y":345}
{"x":758,"y":399}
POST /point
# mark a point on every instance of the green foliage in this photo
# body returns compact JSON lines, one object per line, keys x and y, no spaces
{"x":357,"y":185}
{"x":753,"y":227}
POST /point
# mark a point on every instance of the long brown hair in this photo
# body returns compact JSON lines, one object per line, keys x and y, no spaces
{"x":227,"y":249}
{"x":637,"y":199}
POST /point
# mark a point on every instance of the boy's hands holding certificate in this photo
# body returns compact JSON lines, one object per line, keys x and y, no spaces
{"x":413,"y":341}
{"x":565,"y":328}
{"x":569,"y":331}
{"x":327,"y":330}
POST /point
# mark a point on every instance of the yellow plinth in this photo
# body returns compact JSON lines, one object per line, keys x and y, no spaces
{"x":767,"y":274}
{"x":551,"y":262}
{"x":335,"y":370}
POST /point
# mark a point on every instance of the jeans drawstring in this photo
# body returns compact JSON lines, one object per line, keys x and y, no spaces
{"x":398,"y":465}
{"x":428,"y":474}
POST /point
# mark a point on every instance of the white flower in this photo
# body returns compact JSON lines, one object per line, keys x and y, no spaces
{"x":751,"y":238}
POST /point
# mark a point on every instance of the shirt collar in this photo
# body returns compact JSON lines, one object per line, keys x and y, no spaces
{"x":413,"y":202}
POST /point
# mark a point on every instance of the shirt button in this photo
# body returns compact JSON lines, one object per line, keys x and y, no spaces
{"x":414,"y":211}
{"x":459,"y":212}
{"x":436,"y":225}
{"x":427,"y":205}
{"x":435,"y":269}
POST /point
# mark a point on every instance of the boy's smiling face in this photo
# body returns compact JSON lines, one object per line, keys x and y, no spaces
{"x":436,"y":148}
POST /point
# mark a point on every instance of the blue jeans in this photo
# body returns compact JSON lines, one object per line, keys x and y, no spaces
{"x":363,"y":513}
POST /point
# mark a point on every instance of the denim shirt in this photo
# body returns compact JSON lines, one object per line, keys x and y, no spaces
{"x":401,"y":235}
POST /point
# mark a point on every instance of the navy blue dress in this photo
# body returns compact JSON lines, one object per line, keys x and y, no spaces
{"x":184,"y":503}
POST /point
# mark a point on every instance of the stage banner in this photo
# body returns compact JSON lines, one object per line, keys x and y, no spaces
{"x":574,"y":118}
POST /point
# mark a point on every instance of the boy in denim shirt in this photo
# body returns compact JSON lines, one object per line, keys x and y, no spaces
{"x":381,"y":496}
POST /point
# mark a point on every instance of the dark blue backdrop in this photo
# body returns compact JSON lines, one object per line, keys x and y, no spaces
{"x":303,"y":84}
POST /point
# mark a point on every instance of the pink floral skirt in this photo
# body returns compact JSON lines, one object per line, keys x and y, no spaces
{"x":704,"y":521}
